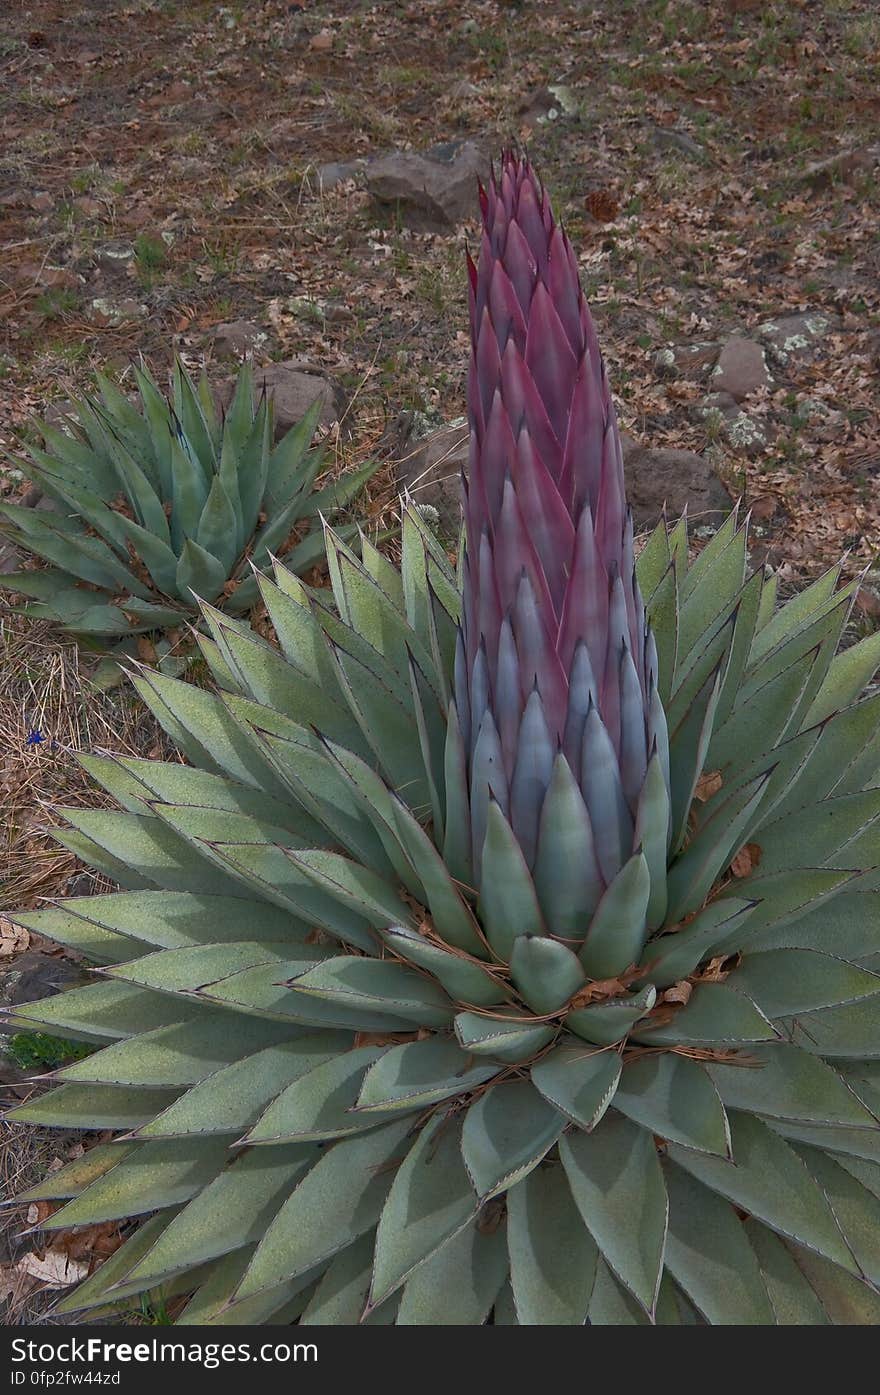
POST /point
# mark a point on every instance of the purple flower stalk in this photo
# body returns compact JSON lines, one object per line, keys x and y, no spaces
{"x":554,"y":654}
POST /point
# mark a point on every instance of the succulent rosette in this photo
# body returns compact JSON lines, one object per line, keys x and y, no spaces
{"x":507,"y":949}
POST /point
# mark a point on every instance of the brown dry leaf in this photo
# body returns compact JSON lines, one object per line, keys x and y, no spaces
{"x":94,"y":1242}
{"x":746,"y":860}
{"x":602,"y":205}
{"x":322,"y":42}
{"x":764,"y":506}
{"x":708,"y":784}
{"x":38,"y":1211}
{"x":146,"y":650}
{"x":679,"y":992}
{"x":53,"y":1270}
{"x":14,"y":939}
{"x":868,"y":601}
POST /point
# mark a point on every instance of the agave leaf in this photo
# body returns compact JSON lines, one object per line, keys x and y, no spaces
{"x":663,"y":615}
{"x":672,"y":957}
{"x":339,"y":1199}
{"x":340,"y":492}
{"x":180,"y":1054}
{"x":463,"y":979}
{"x":611,"y":1305}
{"x":151,"y":846}
{"x":75,"y":1176}
{"x":111,"y":1275}
{"x":159,"y":424}
{"x":783,"y":899}
{"x":618,"y":1187}
{"x":786,"y":1083}
{"x":847,"y":677}
{"x":459,"y":1283}
{"x":770,"y":1182}
{"x":514,"y":1037}
{"x":231,"y":1099}
{"x":720,"y":566}
{"x":341,"y":1295}
{"x":747,"y":610}
{"x":707,"y":1252}
{"x":567,"y":877}
{"x":379,"y":985}
{"x":106,"y":1010}
{"x":320,"y":1104}
{"x":787,"y":981}
{"x":673,"y":1097}
{"x":688,"y":745}
{"x":849,"y":1029}
{"x":158,"y":1174}
{"x":91,"y":1107}
{"x":798,"y":612}
{"x":546,"y":973}
{"x":232,"y":1211}
{"x":506,"y":1133}
{"x":189,"y":490}
{"x":218,"y":530}
{"x":794,"y":1302}
{"x":608,"y":1022}
{"x":430,"y":1200}
{"x":251,"y":468}
{"x":508,"y":903}
{"x":713,"y":583}
{"x":714,"y":1013}
{"x":770,"y":711}
{"x":552,"y":1256}
{"x":290,"y":469}
{"x":652,"y":562}
{"x":457,"y":833}
{"x":199,"y":574}
{"x":416,"y":1074}
{"x":579,"y":1081}
{"x":693,"y":874}
{"x":618,"y":929}
{"x":819,"y":832}
{"x":652,"y":833}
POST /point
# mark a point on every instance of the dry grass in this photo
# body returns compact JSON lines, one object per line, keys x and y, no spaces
{"x":45,"y":693}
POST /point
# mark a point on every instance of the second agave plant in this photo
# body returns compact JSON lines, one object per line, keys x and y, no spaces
{"x":499,"y":956}
{"x":163,"y":501}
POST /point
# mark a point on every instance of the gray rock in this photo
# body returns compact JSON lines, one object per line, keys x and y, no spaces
{"x":293,"y":391}
{"x":11,"y":559}
{"x":743,"y":432}
{"x":678,"y":142}
{"x":33,"y":975}
{"x":675,"y":479}
{"x":430,"y":467}
{"x":339,"y":172}
{"x":838,"y":169}
{"x":741,"y":368}
{"x":796,"y":335}
{"x":236,"y":338}
{"x":435,"y":191}
{"x":113,"y":254}
{"x":686,"y":360}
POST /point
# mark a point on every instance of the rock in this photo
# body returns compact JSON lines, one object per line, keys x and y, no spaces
{"x":678,"y":142}
{"x":838,"y":169}
{"x":743,"y":432}
{"x":113,"y":254}
{"x":429,"y":467}
{"x":236,"y":338}
{"x":796,"y":335}
{"x":293,"y":391}
{"x":42,"y":202}
{"x":676,"y":479}
{"x":686,"y":360}
{"x":339,"y":172}
{"x":33,"y":975}
{"x":741,"y":368}
{"x":115,"y":313}
{"x":10,"y":558}
{"x":435,"y":191}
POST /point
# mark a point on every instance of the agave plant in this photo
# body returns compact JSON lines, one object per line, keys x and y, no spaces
{"x":161,"y":501}
{"x":502,"y":961}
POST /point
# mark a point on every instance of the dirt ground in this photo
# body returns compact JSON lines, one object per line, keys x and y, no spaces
{"x":714,"y":161}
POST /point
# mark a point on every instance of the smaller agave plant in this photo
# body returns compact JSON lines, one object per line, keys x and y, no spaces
{"x":164,"y":500}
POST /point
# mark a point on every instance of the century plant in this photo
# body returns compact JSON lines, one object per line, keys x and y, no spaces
{"x":509,"y":961}
{"x":163,"y":500}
